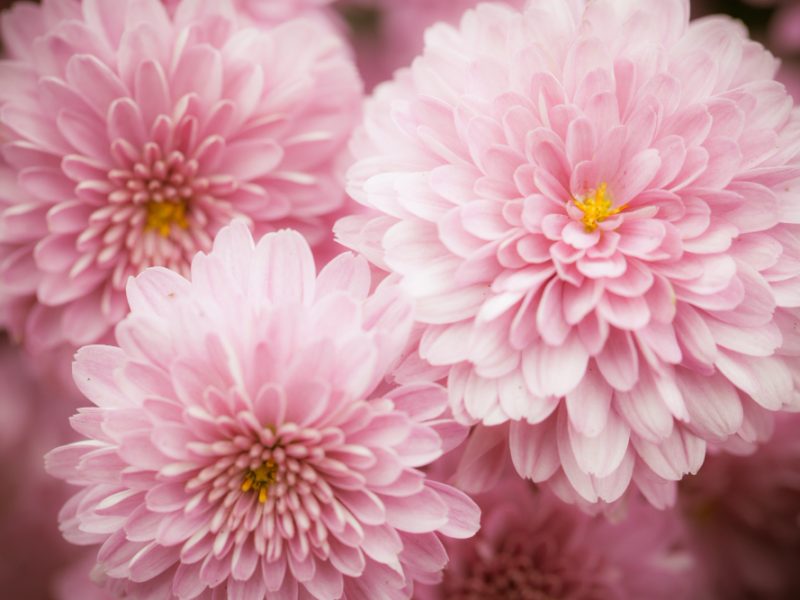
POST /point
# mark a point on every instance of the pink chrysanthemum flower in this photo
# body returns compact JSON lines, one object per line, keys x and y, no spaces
{"x":233,"y":448}
{"x":531,"y":546}
{"x":743,"y":514}
{"x":595,"y":207}
{"x":131,"y":137}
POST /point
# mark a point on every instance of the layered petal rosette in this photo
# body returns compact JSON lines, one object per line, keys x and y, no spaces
{"x":531,"y":545}
{"x":238,"y":448}
{"x":595,"y":206}
{"x":131,"y":137}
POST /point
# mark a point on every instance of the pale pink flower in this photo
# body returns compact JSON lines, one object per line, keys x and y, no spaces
{"x":132,"y":137}
{"x":595,"y":208}
{"x":233,"y":449}
{"x":531,"y":545}
{"x":743,"y":513}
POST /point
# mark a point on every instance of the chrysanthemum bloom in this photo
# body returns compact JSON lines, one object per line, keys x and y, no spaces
{"x":743,"y":513}
{"x":531,"y":545}
{"x":594,"y":206}
{"x":233,"y":449}
{"x":132,"y":137}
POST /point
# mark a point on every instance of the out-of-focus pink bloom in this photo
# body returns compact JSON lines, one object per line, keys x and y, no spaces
{"x":784,"y":39}
{"x":531,"y":545}
{"x":269,"y":13}
{"x":595,"y":206}
{"x":387,"y":34}
{"x":233,"y":449}
{"x":33,"y":417}
{"x":744,"y":516}
{"x":784,"y":31}
{"x":75,"y":582}
{"x":132,"y":137}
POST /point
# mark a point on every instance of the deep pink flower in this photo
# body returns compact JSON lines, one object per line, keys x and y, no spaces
{"x":533,"y":546}
{"x":132,"y":137}
{"x":233,"y":448}
{"x":743,"y":513}
{"x":595,"y":207}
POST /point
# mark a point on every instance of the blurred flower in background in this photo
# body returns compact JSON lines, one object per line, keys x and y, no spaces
{"x":388,"y":34}
{"x":35,"y":405}
{"x":531,"y":545}
{"x":743,"y":515}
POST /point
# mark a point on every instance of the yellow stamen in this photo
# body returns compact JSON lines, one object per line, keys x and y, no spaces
{"x":597,"y":207}
{"x":161,"y":216}
{"x":261,"y":479}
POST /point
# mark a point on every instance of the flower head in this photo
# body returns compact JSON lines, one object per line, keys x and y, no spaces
{"x":595,"y":207}
{"x":239,"y":442}
{"x":531,"y":545}
{"x":131,"y":137}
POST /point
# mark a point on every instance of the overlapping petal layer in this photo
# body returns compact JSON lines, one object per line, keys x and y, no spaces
{"x":130,"y":137}
{"x":595,"y":208}
{"x":232,"y":451}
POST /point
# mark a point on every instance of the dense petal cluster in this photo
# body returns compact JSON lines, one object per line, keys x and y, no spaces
{"x":531,"y":546}
{"x":595,"y":208}
{"x":233,"y":452}
{"x":131,"y":137}
{"x":743,"y":515}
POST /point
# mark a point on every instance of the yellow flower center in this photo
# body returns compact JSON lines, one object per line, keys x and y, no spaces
{"x":261,"y":479}
{"x":597,"y":207}
{"x":162,"y":216}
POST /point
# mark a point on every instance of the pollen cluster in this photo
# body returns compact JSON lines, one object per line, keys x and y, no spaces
{"x":597,"y":207}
